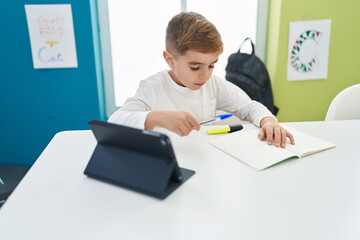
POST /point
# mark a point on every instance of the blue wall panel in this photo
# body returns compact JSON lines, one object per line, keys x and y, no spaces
{"x":35,"y":104}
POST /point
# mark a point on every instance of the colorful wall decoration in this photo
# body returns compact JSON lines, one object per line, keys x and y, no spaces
{"x":51,"y":35}
{"x":308,"y":50}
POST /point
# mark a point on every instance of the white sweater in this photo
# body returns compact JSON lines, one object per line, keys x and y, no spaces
{"x":160,"y":92}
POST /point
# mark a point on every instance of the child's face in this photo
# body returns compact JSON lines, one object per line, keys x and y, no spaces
{"x":193,"y":69}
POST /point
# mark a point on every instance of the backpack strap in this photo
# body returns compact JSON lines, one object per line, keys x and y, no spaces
{"x":252,"y":45}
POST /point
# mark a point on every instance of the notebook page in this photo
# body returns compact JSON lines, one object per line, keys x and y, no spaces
{"x":246,"y":147}
{"x":305,"y":144}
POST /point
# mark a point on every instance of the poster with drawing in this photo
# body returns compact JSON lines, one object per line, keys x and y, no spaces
{"x":308,"y":50}
{"x":52,"y":37}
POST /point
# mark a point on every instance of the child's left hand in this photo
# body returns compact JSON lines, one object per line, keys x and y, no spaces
{"x":271,"y":130}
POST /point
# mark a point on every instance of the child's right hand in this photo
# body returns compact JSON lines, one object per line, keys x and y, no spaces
{"x":181,"y":123}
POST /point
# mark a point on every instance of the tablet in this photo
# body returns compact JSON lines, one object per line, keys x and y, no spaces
{"x":139,"y":159}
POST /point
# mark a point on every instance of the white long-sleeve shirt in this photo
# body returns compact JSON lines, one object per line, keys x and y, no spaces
{"x":160,"y":92}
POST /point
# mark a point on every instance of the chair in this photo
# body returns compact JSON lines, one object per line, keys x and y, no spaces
{"x":346,"y":105}
{"x":10,"y":177}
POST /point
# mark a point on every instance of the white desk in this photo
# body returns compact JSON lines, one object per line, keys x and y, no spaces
{"x":317,"y":197}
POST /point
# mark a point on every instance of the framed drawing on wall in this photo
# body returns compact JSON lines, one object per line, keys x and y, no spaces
{"x":52,"y":36}
{"x":308,"y":50}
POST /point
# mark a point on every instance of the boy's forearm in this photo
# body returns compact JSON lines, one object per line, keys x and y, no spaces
{"x":129,"y":118}
{"x":152,"y":120}
{"x":267,"y":120}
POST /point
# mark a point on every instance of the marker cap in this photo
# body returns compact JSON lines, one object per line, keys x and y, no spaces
{"x":234,"y":128}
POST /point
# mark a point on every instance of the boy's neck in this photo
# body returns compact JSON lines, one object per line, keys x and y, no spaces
{"x":174,"y":78}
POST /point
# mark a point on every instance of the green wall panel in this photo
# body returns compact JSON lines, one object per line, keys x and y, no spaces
{"x":309,"y":100}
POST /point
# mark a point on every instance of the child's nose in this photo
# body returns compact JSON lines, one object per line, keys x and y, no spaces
{"x":205,"y":75}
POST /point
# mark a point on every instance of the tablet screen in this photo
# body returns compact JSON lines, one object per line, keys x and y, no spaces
{"x":144,"y":141}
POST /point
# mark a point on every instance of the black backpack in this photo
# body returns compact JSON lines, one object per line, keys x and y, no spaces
{"x":249,"y":73}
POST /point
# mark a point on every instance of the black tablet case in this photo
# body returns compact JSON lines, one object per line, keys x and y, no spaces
{"x":137,"y":159}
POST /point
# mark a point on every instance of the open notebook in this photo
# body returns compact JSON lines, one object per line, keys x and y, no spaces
{"x":245,"y":146}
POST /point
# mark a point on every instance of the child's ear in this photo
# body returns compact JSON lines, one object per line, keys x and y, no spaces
{"x":169,"y":58}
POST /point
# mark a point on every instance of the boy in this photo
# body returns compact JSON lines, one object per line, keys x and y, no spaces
{"x":188,"y":93}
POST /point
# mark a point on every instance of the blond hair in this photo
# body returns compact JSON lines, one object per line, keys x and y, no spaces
{"x":192,"y":31}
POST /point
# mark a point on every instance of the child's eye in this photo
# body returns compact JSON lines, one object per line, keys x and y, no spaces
{"x":194,"y":68}
{"x":211,"y":66}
